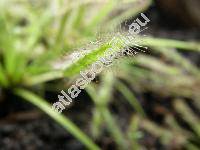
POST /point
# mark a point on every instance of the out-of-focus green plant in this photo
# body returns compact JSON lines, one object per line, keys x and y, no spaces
{"x":33,"y":34}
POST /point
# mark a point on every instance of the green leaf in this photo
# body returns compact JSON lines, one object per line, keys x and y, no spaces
{"x":101,"y":99}
{"x":130,"y":97}
{"x":87,"y":60}
{"x":59,"y":118}
{"x":3,"y":79}
{"x":170,"y":43}
{"x":7,"y":47}
{"x":97,"y":19}
{"x":188,"y":115}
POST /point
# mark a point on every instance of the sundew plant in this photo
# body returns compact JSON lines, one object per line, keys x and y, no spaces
{"x":36,"y":35}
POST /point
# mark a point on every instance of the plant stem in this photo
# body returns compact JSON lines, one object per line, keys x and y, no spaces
{"x":59,"y":118}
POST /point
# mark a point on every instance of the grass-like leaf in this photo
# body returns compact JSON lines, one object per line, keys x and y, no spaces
{"x":59,"y":118}
{"x":130,"y":97}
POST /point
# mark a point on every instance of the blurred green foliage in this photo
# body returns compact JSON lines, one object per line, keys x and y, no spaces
{"x":35,"y":34}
